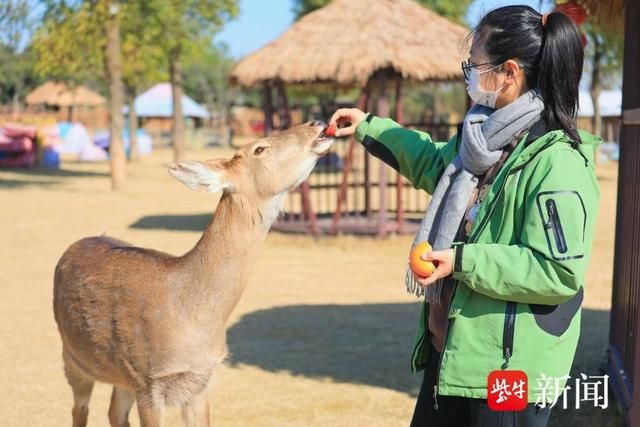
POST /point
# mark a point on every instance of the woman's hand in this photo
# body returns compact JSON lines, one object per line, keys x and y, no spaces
{"x":348,"y":117}
{"x":443,"y":259}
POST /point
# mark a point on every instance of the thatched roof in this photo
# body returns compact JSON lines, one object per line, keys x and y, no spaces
{"x":608,"y":13}
{"x":348,"y":40}
{"x":58,"y":94}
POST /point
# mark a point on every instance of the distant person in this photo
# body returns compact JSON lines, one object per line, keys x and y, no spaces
{"x":511,"y":221}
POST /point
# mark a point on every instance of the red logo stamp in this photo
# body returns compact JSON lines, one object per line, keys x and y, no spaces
{"x":507,"y":390}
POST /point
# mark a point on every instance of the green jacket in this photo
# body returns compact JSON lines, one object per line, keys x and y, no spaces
{"x":519,"y":279}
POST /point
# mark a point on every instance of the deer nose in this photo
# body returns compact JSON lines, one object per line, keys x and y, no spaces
{"x":319,"y":123}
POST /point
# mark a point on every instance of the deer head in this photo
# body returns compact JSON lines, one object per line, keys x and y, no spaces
{"x":268,"y":167}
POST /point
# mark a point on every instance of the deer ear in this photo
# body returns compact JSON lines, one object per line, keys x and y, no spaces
{"x":210,"y":176}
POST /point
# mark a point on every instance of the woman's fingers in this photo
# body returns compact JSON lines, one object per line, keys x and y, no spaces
{"x":438,"y":274}
{"x":443,"y":260}
{"x":334,"y":118}
{"x":346,"y":116}
{"x":346,"y":131}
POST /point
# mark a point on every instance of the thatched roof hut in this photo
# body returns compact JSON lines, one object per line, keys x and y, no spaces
{"x":60,"y":95}
{"x":346,"y":41}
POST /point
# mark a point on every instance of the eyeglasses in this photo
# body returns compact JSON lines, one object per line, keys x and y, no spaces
{"x":467,"y":66}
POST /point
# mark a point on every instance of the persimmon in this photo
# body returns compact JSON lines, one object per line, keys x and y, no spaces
{"x":331,"y":130}
{"x":419,"y":266}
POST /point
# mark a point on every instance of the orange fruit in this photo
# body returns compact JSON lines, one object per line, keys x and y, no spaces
{"x":419,"y":266}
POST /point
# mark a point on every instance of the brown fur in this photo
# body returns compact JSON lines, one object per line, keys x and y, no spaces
{"x":152,"y":324}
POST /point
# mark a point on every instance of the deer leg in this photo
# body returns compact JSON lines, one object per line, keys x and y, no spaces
{"x":82,"y":386}
{"x":196,"y":412}
{"x":121,"y":403}
{"x":151,"y":410}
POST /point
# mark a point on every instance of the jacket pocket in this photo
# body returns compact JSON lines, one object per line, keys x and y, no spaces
{"x":564,"y":220}
{"x":555,"y":319}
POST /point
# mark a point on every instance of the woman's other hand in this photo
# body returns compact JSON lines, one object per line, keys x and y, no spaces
{"x":443,"y":259}
{"x":350,"y":118}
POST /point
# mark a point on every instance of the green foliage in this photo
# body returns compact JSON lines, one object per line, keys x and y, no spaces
{"x":16,"y":63}
{"x":144,"y":58}
{"x":70,"y":44}
{"x":451,"y":9}
{"x":16,"y":74}
{"x":206,"y":76}
{"x":15,"y":20}
{"x":189,"y":25}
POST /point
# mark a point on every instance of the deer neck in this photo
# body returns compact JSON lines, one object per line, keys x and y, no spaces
{"x":216,"y":270}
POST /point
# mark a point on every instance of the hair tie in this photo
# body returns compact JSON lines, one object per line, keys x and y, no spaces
{"x":544,"y":19}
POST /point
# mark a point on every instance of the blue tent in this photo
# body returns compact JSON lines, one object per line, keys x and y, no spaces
{"x":157,"y":102}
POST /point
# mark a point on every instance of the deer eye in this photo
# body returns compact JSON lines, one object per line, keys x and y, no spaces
{"x":258,"y":151}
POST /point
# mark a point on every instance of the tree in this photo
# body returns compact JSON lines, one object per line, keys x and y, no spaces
{"x":83,"y":39}
{"x":604,"y":53}
{"x":188,"y":28}
{"x":16,"y":62}
{"x":145,"y":64}
{"x":206,"y":76}
{"x":451,"y":9}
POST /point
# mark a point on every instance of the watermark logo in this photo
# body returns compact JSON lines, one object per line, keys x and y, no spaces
{"x":509,"y":390}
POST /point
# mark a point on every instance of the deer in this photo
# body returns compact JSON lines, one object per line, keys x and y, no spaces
{"x":152,"y":324}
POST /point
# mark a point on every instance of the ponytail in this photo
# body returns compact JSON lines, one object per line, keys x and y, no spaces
{"x":549,"y":49}
{"x":560,"y":69}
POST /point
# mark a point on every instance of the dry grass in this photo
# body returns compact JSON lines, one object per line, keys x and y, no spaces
{"x":321,"y":336}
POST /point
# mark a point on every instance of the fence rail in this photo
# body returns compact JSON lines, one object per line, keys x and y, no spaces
{"x":350,"y":191}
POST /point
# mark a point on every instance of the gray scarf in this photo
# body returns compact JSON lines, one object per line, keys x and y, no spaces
{"x":485,"y":132}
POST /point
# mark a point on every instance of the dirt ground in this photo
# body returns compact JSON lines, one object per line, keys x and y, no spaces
{"x":321,"y":336}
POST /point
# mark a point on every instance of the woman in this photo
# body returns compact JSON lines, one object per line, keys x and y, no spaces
{"x":511,"y":221}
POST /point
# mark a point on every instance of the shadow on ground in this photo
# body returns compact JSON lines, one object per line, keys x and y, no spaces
{"x":39,"y":177}
{"x":196,"y":222}
{"x":16,"y":184}
{"x":364,"y":344}
{"x":371,"y":343}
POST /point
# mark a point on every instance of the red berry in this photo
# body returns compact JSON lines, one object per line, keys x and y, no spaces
{"x":331,"y":130}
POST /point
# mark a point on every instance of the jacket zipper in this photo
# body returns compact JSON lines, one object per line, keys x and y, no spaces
{"x":507,"y":336}
{"x":555,"y":225}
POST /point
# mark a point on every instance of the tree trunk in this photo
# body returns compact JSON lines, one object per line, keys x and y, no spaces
{"x":134,"y":154}
{"x":175,"y":69}
{"x":116,"y":98}
{"x":16,"y":104}
{"x":596,"y":85}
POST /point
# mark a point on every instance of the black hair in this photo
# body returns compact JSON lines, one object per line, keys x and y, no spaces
{"x":551,"y":55}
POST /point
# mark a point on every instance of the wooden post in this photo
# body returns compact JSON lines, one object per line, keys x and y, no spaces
{"x":363,"y":99}
{"x":623,"y":365}
{"x":307,"y":209}
{"x":367,"y":163}
{"x":283,"y":104}
{"x":399,"y":179}
{"x":383,"y":111}
{"x":267,"y":106}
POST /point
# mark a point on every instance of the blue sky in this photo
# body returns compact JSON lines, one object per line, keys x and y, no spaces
{"x":261,"y":21}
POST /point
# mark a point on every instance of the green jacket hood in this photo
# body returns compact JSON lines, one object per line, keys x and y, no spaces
{"x":588,"y":148}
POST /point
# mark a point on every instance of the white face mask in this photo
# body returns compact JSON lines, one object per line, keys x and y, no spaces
{"x":478,"y":95}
